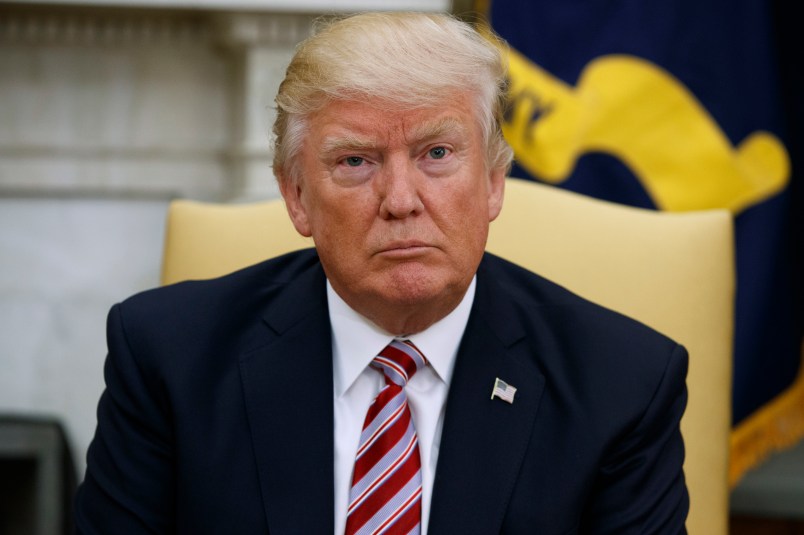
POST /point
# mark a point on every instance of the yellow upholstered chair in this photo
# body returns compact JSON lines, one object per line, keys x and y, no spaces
{"x":673,"y":272}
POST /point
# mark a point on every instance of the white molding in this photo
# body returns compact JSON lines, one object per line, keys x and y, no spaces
{"x":265,"y":29}
{"x":100,"y":28}
{"x":294,"y":6}
{"x":88,"y":173}
{"x":94,"y":28}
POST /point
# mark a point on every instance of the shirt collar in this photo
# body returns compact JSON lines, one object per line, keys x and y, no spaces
{"x":356,"y":340}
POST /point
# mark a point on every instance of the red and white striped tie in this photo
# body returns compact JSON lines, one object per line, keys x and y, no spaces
{"x":386,"y":494}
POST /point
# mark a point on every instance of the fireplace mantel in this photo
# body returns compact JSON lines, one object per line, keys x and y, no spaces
{"x":149,"y":98}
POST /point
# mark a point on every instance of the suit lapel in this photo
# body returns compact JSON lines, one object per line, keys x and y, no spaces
{"x":287,"y":387}
{"x":483,"y":440}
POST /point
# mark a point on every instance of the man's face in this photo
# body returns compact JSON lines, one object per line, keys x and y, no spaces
{"x":398,"y":204}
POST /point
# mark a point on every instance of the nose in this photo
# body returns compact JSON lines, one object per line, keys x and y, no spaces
{"x":399,"y":189}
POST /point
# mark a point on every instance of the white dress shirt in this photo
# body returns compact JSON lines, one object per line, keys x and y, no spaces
{"x":355,"y":342}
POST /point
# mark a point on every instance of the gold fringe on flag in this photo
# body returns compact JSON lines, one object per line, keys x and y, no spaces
{"x":777,"y":426}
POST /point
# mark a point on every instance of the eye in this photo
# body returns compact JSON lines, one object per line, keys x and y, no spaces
{"x":354,"y":161}
{"x":437,"y":153}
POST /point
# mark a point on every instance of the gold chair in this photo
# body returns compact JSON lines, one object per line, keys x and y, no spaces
{"x":672,"y":271}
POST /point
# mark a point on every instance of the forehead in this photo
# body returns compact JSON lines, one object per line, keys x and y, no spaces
{"x":377,"y":122}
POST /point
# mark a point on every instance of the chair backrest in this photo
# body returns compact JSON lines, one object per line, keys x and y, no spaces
{"x":672,"y":271}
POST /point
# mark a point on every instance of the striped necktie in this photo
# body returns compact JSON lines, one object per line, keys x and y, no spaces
{"x":386,"y":493}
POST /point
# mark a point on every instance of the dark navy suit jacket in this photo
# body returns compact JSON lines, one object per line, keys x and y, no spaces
{"x":217,"y":416}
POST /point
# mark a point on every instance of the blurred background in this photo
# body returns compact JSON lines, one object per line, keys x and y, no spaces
{"x":110,"y":109}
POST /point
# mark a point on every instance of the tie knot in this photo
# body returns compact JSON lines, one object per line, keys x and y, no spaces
{"x":399,"y":361}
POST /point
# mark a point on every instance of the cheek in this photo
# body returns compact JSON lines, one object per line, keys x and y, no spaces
{"x":465,"y":206}
{"x":464,"y":217}
{"x":340,"y":228}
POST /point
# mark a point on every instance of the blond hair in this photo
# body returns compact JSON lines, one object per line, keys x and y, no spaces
{"x":409,"y":60}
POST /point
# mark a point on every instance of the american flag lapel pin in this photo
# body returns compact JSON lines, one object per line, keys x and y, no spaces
{"x":503,"y":390}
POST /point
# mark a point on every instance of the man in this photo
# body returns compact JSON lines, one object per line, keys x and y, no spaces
{"x":395,"y":378}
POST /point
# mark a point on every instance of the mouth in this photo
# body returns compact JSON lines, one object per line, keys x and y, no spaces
{"x":404,"y":249}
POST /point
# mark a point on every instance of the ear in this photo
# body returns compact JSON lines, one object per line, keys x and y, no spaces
{"x":496,"y":192}
{"x":292,"y":193}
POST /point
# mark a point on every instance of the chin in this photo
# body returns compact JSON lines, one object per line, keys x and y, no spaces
{"x":419,"y":287}
{"x":410,"y":297}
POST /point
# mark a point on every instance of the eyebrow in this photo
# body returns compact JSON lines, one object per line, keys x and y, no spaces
{"x":419,"y":134}
{"x":346,"y":143}
{"x":437,"y":129}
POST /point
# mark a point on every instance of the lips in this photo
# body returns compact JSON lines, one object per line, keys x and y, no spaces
{"x":405,"y":248}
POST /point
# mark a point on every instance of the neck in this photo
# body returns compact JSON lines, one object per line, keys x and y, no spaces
{"x":399,"y":319}
{"x":405,"y":323}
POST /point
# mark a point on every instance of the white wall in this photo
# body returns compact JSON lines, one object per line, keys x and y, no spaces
{"x":65,"y":262}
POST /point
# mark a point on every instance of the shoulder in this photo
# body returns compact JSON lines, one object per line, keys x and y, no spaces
{"x":267,"y":275}
{"x":209,"y":313}
{"x":534,"y":297}
{"x":573,"y":338}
